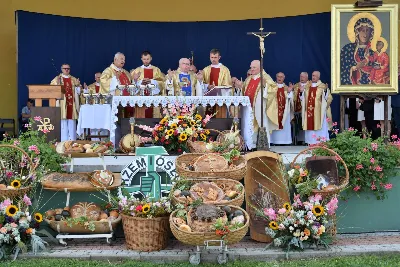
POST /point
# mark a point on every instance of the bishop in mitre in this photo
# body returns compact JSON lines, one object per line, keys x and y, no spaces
{"x":116,"y":75}
{"x":316,"y":111}
{"x":182,"y":82}
{"x":280,"y":111}
{"x":251,"y":88}
{"x":70,"y":104}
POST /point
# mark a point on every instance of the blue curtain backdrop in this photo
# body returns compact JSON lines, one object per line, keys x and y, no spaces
{"x":301,"y":43}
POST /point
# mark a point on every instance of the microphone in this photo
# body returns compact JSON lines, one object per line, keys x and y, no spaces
{"x":55,"y":68}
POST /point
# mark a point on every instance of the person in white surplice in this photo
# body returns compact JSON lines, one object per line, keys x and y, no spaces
{"x":316,"y":111}
{"x":281,"y":129}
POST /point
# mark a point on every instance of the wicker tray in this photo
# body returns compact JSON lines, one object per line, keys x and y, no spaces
{"x":199,"y":146}
{"x":198,"y":238}
{"x":238,"y":201}
{"x":235,"y":174}
{"x":343,"y":180}
{"x":101,"y":227}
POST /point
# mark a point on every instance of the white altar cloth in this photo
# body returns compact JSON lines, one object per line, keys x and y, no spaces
{"x":247,"y":111}
{"x":94,"y":117}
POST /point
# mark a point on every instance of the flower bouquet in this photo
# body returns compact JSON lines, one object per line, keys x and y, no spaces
{"x":145,"y":223}
{"x":18,"y":227}
{"x":300,"y":223}
{"x":300,"y":180}
{"x":178,"y":125}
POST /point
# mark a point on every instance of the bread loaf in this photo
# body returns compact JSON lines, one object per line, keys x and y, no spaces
{"x":86,"y":209}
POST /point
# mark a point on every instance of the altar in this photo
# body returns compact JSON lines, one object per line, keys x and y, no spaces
{"x":246,"y":114}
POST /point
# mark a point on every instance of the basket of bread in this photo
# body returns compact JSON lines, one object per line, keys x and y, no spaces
{"x":82,"y":218}
{"x":82,"y":148}
{"x":210,"y":191}
{"x":209,"y":222}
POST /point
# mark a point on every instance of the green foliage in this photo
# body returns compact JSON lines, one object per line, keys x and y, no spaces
{"x":83,"y":221}
{"x":370,"y":162}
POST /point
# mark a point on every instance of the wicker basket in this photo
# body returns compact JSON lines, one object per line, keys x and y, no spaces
{"x":145,"y":234}
{"x":343,"y":181}
{"x":186,"y":159}
{"x":198,"y":238}
{"x":18,"y":192}
{"x":239,"y":146}
{"x":238,"y":201}
{"x":199,"y":146}
{"x":101,"y":227}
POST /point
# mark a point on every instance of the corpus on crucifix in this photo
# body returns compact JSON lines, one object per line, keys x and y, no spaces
{"x":263,"y":80}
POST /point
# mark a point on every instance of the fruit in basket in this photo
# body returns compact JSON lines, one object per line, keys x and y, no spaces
{"x":185,"y":227}
{"x":179,"y":221}
{"x":232,"y":194}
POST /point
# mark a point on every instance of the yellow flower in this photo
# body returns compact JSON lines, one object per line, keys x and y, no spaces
{"x":192,"y":123}
{"x":146,"y":208}
{"x":287,"y":206}
{"x":173,"y":126}
{"x":203,"y":136}
{"x":16,"y":184}
{"x":182,"y":137}
{"x":273,"y":225}
{"x":11,"y":210}
{"x":318,"y":210}
{"x":164,"y":120}
{"x":180,"y":117}
{"x":160,"y":128}
{"x":207,"y":132}
{"x":170,"y":132}
{"x":198,"y":117}
{"x":38,"y":217}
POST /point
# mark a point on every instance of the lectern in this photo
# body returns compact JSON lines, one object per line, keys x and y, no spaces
{"x":51,"y":115}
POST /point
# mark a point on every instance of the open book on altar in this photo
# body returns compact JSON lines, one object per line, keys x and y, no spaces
{"x":220,"y":91}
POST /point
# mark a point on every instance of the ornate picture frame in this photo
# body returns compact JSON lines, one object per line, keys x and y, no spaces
{"x":364,"y":47}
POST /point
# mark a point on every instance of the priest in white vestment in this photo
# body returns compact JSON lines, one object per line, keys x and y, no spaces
{"x":316,"y":111}
{"x":281,"y":130}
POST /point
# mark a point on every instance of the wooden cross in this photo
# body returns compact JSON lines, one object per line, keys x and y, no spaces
{"x":262,"y":35}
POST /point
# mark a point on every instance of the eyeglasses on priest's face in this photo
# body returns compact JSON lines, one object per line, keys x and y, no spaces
{"x":66,"y":68}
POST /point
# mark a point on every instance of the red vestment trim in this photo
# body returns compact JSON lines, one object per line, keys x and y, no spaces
{"x":252,"y":89}
{"x":214,"y":75}
{"x":69,"y":98}
{"x":310,"y":107}
{"x":280,"y":95}
{"x":97,"y":88}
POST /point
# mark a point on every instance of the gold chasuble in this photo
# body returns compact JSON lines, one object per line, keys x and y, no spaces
{"x":108,"y":74}
{"x":94,"y":88}
{"x":314,"y":106}
{"x":224,"y":76}
{"x":152,"y":72}
{"x":296,"y":97}
{"x":70,"y":104}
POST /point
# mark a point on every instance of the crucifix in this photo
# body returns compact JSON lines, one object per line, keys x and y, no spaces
{"x":262,"y":137}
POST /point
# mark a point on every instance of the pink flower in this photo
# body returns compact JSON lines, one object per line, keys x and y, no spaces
{"x":281,"y":227}
{"x":336,"y":131}
{"x":356,"y":188}
{"x":378,"y":125}
{"x":27,"y":200}
{"x":394,"y":136}
{"x":297,"y":201}
{"x":27,"y":125}
{"x":37,"y":118}
{"x":9,"y":174}
{"x":314,"y":136}
{"x":46,"y":131}
{"x":13,"y":225}
{"x":359,"y":166}
{"x":207,"y":119}
{"x":3,"y":230}
{"x":374,"y":146}
{"x":373,"y":186}
{"x":388,"y":186}
{"x":282,"y":211}
{"x":372,"y":160}
{"x":338,"y":158}
{"x":5,"y":203}
{"x":365,"y":149}
{"x":323,"y":139}
{"x":270,"y":213}
{"x":332,"y":206}
{"x":334,"y":123}
{"x":32,"y":148}
{"x":378,"y":169}
{"x":16,"y":143}
{"x":351,"y":129}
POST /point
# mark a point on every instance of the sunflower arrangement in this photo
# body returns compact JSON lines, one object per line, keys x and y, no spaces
{"x":18,"y":227}
{"x":178,"y":125}
{"x":145,"y":208}
{"x":298,"y":223}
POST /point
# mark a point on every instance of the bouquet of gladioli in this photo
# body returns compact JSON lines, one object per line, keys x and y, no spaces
{"x":18,"y":227}
{"x":295,"y":224}
{"x":179,"y":124}
{"x":145,"y":208}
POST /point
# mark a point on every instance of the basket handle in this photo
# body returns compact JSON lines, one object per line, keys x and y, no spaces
{"x":32,"y":166}
{"x":346,"y":181}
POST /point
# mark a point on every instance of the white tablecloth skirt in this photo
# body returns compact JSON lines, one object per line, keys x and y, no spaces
{"x":94,"y":117}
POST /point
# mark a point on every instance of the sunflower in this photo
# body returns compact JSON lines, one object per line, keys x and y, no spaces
{"x":16,"y":184}
{"x":207,"y":132}
{"x":192,"y":123}
{"x":198,"y":117}
{"x":160,"y":128}
{"x":170,"y":132}
{"x":173,"y":126}
{"x":287,"y":206}
{"x":38,"y":217}
{"x":203,"y":136}
{"x":182,"y":137}
{"x":164,"y":120}
{"x":318,"y":210}
{"x":11,"y":210}
{"x":146,"y":208}
{"x":180,"y":117}
{"x":273,"y":225}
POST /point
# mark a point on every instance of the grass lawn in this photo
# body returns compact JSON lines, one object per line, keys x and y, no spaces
{"x":364,"y":261}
